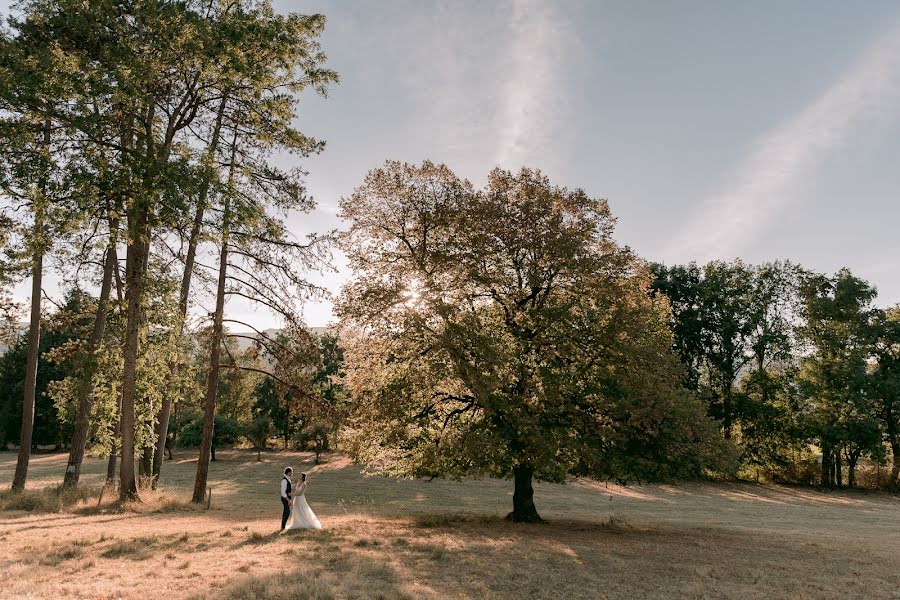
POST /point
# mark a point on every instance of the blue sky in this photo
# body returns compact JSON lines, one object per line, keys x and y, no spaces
{"x":716,"y":130}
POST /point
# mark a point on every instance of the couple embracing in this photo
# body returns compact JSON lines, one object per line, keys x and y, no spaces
{"x":296,"y":513}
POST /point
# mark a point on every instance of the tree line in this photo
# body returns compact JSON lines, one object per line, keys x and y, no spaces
{"x":252,"y":407}
{"x":799,"y":368}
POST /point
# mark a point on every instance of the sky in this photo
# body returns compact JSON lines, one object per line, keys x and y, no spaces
{"x":716,"y":130}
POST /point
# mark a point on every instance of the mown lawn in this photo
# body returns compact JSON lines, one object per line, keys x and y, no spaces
{"x":416,"y":539}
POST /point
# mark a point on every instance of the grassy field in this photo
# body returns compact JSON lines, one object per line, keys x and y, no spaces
{"x":439,"y":539}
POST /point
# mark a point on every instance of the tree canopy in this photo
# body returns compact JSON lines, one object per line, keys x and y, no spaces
{"x":503,"y":332}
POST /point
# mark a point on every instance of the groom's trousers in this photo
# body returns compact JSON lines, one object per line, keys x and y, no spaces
{"x":285,"y":513}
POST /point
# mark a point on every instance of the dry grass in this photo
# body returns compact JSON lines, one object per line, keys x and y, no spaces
{"x":49,"y":499}
{"x":413,"y":539}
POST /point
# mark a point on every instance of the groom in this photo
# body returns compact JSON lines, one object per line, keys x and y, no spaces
{"x":286,"y":496}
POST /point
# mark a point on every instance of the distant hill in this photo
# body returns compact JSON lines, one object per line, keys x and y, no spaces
{"x":244,"y":343}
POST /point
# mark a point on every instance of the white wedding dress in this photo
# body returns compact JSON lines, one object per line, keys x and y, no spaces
{"x":302,"y":516}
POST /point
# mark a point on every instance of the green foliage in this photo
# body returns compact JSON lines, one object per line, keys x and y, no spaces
{"x":841,"y":326}
{"x":258,"y":431}
{"x":315,"y":437}
{"x":503,"y":328}
{"x":270,"y":404}
{"x":226,"y":431}
{"x":60,"y":341}
{"x":728,"y":320}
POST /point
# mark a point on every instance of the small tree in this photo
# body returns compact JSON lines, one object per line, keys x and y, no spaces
{"x":277,"y":408}
{"x":259,"y":430}
{"x":314,"y":436}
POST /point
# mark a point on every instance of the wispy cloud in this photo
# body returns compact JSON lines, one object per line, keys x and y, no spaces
{"x":532,"y":98}
{"x":866,"y":97}
{"x":494,"y":91}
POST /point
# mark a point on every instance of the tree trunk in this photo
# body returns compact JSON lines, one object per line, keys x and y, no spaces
{"x":215,"y":354}
{"x":524,"y":510}
{"x":162,"y":424}
{"x":138,"y":246}
{"x":146,"y":462}
{"x":826,"y":467}
{"x":117,"y":432}
{"x":162,"y":433}
{"x":111,"y":466}
{"x":34,"y":342}
{"x":726,"y":409}
{"x":838,"y":469}
{"x":86,"y":397}
{"x":894,"y":440}
{"x":851,"y":470}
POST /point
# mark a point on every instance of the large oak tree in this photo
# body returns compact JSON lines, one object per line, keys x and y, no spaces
{"x":503,"y":332}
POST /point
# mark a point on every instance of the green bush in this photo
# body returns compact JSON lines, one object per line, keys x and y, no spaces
{"x":226,"y":431}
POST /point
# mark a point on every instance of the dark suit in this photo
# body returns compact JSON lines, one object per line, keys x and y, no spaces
{"x":285,"y":505}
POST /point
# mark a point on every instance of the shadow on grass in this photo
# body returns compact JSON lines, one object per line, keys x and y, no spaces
{"x":259,"y":539}
{"x":144,"y":548}
{"x":345,"y":576}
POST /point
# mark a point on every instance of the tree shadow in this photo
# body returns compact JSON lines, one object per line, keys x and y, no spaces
{"x":259,"y":539}
{"x":350,"y":575}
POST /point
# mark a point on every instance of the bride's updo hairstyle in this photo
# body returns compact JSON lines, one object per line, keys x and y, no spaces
{"x":302,"y":476}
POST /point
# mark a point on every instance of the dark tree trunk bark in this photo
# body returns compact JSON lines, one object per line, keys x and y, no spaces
{"x":894,"y":441}
{"x":86,"y":397}
{"x":117,"y":432}
{"x":34,"y":342}
{"x":215,"y":355}
{"x":111,"y":466}
{"x":138,"y":243}
{"x":826,"y":467}
{"x":851,"y":470}
{"x":162,"y":424}
{"x":726,"y":418}
{"x":524,"y":510}
{"x":146,"y":463}
{"x":838,"y":469}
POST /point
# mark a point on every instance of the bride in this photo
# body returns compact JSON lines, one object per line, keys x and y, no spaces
{"x":302,"y":516}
